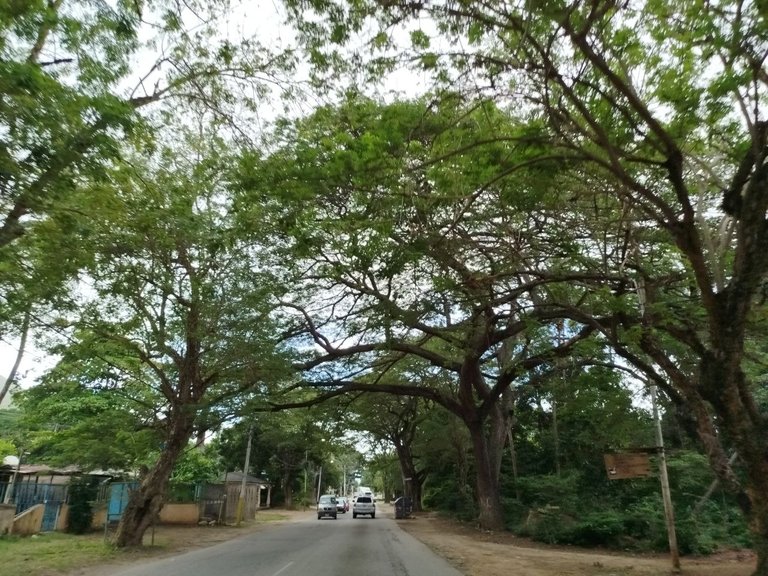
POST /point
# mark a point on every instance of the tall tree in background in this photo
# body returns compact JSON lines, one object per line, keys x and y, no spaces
{"x":415,"y":257}
{"x":395,"y":419}
{"x":83,"y":413}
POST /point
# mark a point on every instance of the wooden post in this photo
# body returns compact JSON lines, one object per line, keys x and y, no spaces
{"x":669,"y":513}
{"x":241,"y":498}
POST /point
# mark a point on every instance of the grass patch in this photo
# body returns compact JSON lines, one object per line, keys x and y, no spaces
{"x":52,"y":552}
{"x":56,"y":553}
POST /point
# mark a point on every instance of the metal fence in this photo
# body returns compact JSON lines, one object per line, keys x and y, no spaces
{"x":217,"y":503}
{"x":31,"y":492}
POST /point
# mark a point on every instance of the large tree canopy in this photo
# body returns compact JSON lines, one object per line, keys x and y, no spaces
{"x":83,"y":83}
{"x":174,"y":317}
{"x":582,"y":192}
{"x":663,"y":104}
{"x":427,"y":254}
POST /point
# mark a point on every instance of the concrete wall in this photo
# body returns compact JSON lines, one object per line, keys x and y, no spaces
{"x":170,"y":514}
{"x":61,"y":521}
{"x":99,"y":516}
{"x":30,"y":521}
{"x":180,"y":514}
{"x":7,"y":512}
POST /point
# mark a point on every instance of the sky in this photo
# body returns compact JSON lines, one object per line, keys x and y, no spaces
{"x":33,"y":364}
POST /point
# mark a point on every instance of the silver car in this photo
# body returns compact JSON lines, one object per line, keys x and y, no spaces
{"x":364,"y":506}
{"x":326,"y":506}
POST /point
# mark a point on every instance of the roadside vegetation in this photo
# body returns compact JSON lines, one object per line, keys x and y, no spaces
{"x":460,"y":287}
{"x":49,"y":553}
{"x":57,"y":552}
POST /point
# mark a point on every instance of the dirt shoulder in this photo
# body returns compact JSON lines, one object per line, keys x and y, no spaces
{"x":478,"y":553}
{"x":473,"y":552}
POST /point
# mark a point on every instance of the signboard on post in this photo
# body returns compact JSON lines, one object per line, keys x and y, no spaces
{"x":626,"y":465}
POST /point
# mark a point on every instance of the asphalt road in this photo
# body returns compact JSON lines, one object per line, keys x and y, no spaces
{"x":343,"y":547}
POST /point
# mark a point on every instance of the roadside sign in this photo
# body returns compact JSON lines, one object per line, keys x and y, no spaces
{"x":625,"y":465}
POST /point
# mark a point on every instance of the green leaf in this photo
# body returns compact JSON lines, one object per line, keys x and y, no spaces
{"x":419,"y":39}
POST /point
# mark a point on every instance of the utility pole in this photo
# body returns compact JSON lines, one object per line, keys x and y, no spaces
{"x":669,"y":513}
{"x":556,"y":384}
{"x":246,"y":466}
{"x":319,"y":483}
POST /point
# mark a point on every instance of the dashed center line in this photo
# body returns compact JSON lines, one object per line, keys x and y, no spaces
{"x":283,"y":569}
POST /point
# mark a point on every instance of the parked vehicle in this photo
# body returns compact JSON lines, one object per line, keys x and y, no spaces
{"x":365,"y":506}
{"x":326,"y":506}
{"x":342,"y":504}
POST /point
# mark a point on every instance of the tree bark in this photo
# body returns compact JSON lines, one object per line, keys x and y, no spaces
{"x":19,"y":355}
{"x":413,"y":480}
{"x":147,"y":501}
{"x":490,"y":515}
{"x":724,"y":388}
{"x":288,"y":489}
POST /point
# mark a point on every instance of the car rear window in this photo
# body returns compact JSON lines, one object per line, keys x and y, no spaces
{"x":364,"y":499}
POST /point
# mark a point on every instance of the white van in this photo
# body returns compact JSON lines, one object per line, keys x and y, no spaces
{"x":364,"y":491}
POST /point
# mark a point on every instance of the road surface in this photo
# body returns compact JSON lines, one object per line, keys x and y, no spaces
{"x":343,"y":547}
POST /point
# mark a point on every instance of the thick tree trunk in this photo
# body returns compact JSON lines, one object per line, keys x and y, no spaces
{"x":288,"y":490}
{"x":417,"y":489}
{"x":754,"y":500}
{"x":147,"y":501}
{"x":725,"y":387}
{"x":490,"y":514}
{"x":412,"y":479}
{"x":498,"y":424}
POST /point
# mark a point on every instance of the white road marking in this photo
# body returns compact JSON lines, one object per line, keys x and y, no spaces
{"x":282,"y":569}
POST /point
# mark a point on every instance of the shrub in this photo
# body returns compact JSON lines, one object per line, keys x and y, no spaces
{"x":82,"y":493}
{"x":448,"y":497}
{"x":603,"y":528}
{"x":548,"y":525}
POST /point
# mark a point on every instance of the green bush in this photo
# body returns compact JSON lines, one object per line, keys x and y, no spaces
{"x":514,"y":512}
{"x":717,"y":526}
{"x":644,"y":523}
{"x":604,"y":528}
{"x":447,"y":497}
{"x":82,"y":493}
{"x":551,"y":490}
{"x":180,"y":492}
